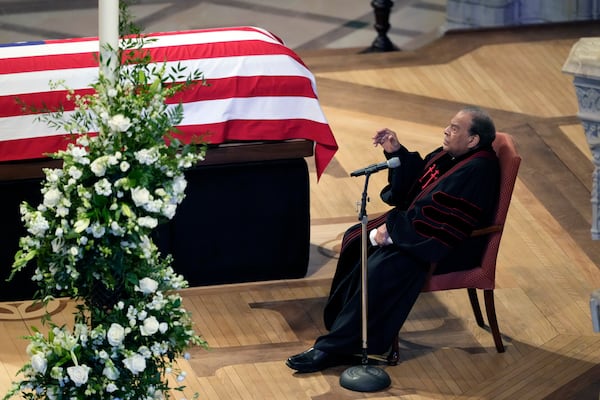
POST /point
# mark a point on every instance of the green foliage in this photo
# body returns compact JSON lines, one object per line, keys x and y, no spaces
{"x":90,"y":239}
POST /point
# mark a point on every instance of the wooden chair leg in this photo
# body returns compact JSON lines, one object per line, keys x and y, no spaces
{"x":475,"y":305}
{"x":394,"y":354}
{"x":490,"y":308}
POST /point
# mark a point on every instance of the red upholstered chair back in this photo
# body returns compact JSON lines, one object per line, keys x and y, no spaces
{"x":484,"y":277}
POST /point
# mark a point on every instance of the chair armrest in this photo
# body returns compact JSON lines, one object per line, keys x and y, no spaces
{"x":486,"y":230}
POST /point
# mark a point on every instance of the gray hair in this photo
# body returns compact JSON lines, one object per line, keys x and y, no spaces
{"x":482,"y":125}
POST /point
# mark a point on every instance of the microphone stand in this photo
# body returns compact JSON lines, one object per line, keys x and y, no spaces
{"x":364,"y":377}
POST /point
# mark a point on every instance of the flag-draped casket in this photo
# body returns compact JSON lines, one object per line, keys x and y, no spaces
{"x":258,"y":89}
{"x":241,"y":220}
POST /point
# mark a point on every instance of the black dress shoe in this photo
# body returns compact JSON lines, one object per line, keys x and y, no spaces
{"x":313,"y":360}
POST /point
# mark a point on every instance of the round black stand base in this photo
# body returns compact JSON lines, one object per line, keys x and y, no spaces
{"x":382,"y":44}
{"x":365,"y":378}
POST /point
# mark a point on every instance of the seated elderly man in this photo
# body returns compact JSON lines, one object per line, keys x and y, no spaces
{"x":438,"y":201}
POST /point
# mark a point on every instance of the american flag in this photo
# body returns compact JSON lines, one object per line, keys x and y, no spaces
{"x":259,"y":89}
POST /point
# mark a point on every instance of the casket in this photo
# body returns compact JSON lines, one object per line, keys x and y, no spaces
{"x":246,"y":215}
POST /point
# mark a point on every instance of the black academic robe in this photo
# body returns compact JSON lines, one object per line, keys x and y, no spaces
{"x":438,"y":201}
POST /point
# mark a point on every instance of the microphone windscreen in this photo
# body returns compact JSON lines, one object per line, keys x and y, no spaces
{"x":393,"y":162}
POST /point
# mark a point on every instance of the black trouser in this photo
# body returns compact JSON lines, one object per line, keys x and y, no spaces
{"x":394,"y":283}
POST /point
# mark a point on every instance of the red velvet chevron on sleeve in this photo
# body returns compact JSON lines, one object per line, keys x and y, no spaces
{"x":448,"y":219}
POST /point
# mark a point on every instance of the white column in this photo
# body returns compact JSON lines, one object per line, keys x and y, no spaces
{"x":108,"y":34}
{"x":584,"y":64}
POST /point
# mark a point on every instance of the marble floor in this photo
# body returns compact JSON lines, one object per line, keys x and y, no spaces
{"x":302,"y":24}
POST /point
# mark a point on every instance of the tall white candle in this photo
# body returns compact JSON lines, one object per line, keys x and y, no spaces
{"x":108,"y":34}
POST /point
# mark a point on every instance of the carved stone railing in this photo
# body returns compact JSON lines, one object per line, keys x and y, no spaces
{"x":584,"y":64}
{"x":466,"y":14}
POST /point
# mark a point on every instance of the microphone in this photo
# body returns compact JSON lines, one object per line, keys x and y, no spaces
{"x":391,"y":163}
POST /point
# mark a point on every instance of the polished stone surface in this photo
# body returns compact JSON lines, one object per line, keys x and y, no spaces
{"x":302,"y":24}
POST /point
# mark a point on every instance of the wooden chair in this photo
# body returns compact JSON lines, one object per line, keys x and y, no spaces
{"x":483,"y":277}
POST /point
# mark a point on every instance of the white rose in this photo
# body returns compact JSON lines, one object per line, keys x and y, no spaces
{"x":179,"y":184}
{"x":114,"y":159}
{"x":78,"y":374}
{"x":62,"y":211}
{"x":136,"y":363}
{"x":119,"y":123}
{"x":75,"y":172}
{"x":115,"y":334}
{"x":52,"y":175}
{"x":111,"y":387}
{"x":162,"y":327}
{"x":150,"y":326}
{"x":153,"y":206}
{"x":98,"y":166}
{"x":169,"y":210}
{"x":140,"y":196}
{"x":37,"y":224}
{"x":147,"y":156}
{"x":39,"y":363}
{"x":51,"y":197}
{"x":147,"y":285}
{"x":147,"y":222}
{"x":79,"y":154}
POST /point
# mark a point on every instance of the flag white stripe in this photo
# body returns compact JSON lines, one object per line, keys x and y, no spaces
{"x":89,"y":46}
{"x":195,"y":113}
{"x":252,"y":108}
{"x":212,"y":68}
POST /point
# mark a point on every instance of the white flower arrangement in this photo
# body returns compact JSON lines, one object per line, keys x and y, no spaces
{"x":91,"y":234}
{"x":125,"y":357}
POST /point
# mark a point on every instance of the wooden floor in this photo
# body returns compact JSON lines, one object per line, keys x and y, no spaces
{"x":547,"y":266}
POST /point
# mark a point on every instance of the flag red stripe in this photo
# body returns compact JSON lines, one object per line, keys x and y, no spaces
{"x":48,"y":62}
{"x":220,"y":49}
{"x":248,"y":86}
{"x":159,"y":55}
{"x":228,"y":131}
{"x":33,"y":148}
{"x":13,"y":105}
{"x":224,"y":88}
{"x":249,"y":130}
